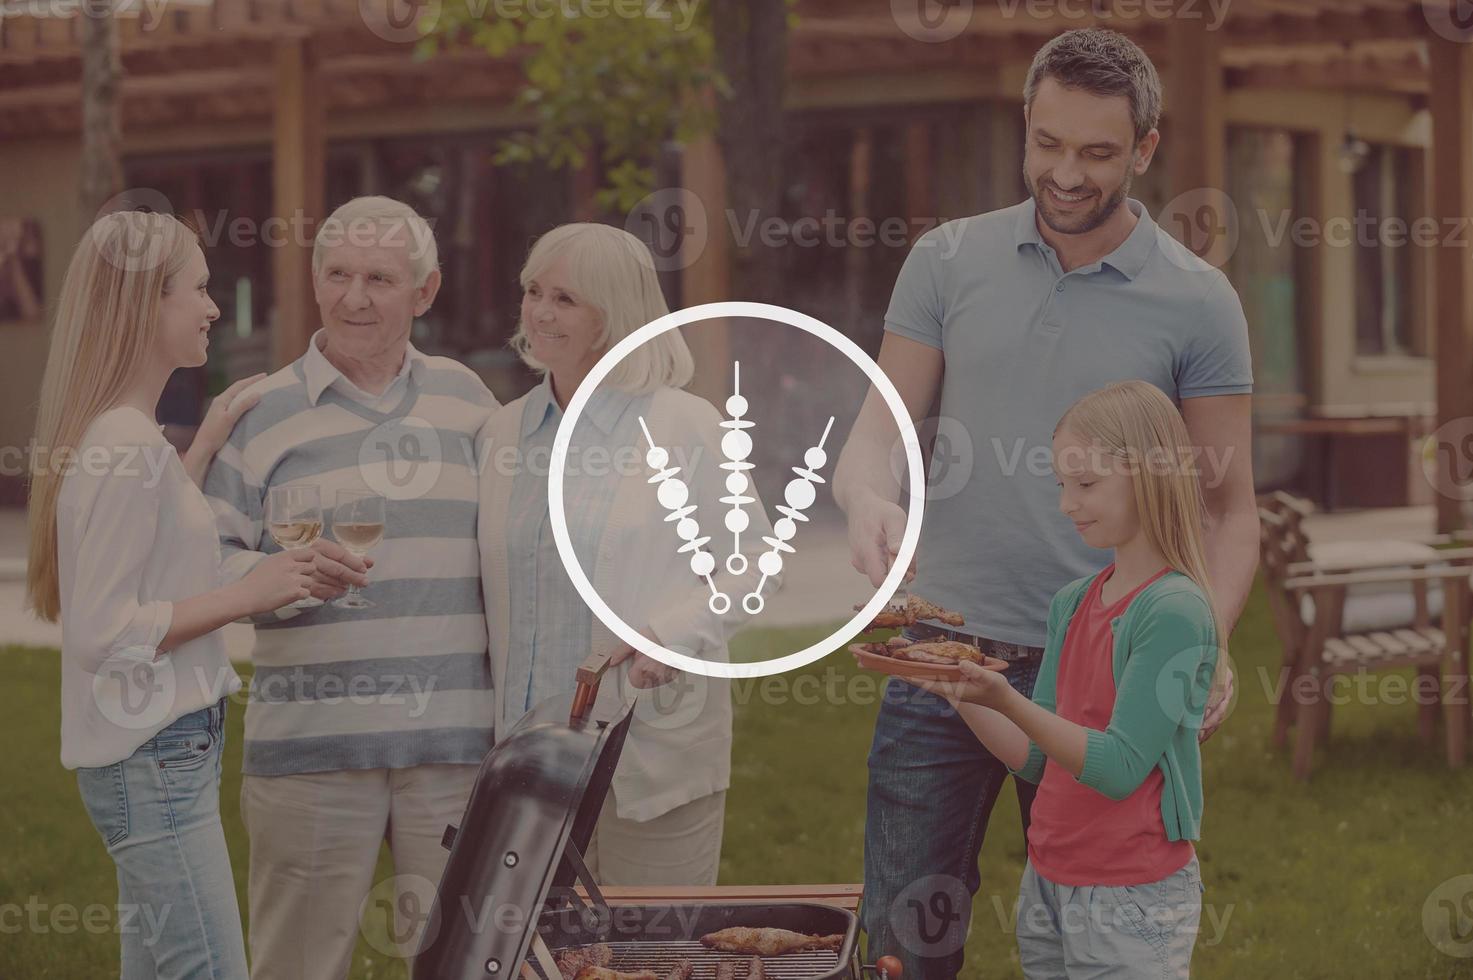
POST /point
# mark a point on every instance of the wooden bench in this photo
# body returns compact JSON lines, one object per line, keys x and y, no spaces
{"x":1317,"y":648}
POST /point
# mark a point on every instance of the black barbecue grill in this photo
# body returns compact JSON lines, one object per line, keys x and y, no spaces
{"x":508,"y":893}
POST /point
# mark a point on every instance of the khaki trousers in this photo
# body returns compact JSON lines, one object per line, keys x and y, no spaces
{"x":681,"y":847}
{"x":315,"y":841}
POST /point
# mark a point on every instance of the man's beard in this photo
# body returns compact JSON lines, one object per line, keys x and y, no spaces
{"x":1081,"y":223}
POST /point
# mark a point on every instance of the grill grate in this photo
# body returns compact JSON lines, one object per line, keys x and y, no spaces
{"x":659,"y":957}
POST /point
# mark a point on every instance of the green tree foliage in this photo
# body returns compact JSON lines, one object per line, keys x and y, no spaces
{"x":617,"y":86}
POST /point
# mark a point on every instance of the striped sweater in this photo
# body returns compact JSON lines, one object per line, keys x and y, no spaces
{"x":406,"y":682}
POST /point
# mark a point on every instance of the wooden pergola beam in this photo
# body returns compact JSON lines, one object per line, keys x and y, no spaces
{"x":1451,"y":102}
{"x":1397,"y":76}
{"x":1331,"y":26}
{"x":298,"y":182}
{"x":1195,"y":104}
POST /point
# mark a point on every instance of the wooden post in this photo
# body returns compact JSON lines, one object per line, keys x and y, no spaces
{"x":861,"y":174}
{"x":1451,"y":100}
{"x":102,"y":114}
{"x":1194,"y":99}
{"x":1003,"y":156}
{"x":1314,"y":172}
{"x":920,"y":197}
{"x":705,"y":275}
{"x":298,"y":195}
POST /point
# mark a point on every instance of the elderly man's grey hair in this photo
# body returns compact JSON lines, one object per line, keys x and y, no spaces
{"x":379,"y":221}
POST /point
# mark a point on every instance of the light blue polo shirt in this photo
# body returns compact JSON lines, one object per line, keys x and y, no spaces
{"x":1023,"y":340}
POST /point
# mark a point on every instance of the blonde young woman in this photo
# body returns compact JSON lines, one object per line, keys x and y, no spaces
{"x":1110,"y":734}
{"x":124,"y":554}
{"x":587,"y":286}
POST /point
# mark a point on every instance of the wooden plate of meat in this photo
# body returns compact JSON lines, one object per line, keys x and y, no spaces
{"x":931,"y":660}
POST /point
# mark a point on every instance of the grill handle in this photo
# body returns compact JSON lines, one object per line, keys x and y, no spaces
{"x":590,"y":673}
{"x":884,"y":968}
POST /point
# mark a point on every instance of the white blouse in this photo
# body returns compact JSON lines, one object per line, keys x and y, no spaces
{"x":134,"y":535}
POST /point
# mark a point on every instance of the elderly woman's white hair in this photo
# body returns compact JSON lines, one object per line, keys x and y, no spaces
{"x":379,"y":221}
{"x":613,"y":272}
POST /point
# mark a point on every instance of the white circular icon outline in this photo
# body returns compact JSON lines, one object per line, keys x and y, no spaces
{"x":759,"y":311}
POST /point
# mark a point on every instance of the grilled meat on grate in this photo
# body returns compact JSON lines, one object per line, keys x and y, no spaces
{"x":767,"y":942}
{"x":682,"y":970}
{"x":571,"y":961}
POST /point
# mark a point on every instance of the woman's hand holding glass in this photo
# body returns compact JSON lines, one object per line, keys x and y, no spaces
{"x":276,"y":581}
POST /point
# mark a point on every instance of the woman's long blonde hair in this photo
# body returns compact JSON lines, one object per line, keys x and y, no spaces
{"x":1136,"y":423}
{"x":106,"y":324}
{"x":613,"y":272}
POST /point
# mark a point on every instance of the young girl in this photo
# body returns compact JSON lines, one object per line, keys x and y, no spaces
{"x":124,"y":553}
{"x":1112,"y":882}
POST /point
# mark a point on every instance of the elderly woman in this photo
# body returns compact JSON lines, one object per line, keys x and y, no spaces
{"x":586,"y":287}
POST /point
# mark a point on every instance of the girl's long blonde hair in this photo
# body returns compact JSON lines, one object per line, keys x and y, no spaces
{"x":1136,"y":423}
{"x":105,"y":328}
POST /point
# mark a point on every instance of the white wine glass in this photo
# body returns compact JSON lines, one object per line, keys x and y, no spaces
{"x":358,"y":524}
{"x":294,"y":519}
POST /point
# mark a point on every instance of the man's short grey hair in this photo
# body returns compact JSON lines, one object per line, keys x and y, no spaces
{"x":379,"y":221}
{"x":1102,"y":62}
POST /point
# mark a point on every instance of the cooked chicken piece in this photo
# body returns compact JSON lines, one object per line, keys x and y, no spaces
{"x":680,"y":971}
{"x":766,"y":942}
{"x":570,"y":961}
{"x":889,"y":619}
{"x":727,"y":970}
{"x":938,"y":652}
{"x":604,"y":973}
{"x":913,"y":610}
{"x":925,"y":609}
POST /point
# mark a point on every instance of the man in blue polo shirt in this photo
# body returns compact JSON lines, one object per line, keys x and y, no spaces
{"x":1011,"y":316}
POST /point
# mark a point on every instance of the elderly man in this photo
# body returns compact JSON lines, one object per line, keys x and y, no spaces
{"x":363,"y":724}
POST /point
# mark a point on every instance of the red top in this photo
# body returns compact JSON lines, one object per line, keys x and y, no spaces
{"x":1078,"y":836}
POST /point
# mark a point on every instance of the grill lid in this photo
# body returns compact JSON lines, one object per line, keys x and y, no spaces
{"x":520,"y":844}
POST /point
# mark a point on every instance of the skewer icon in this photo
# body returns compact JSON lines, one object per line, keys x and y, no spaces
{"x":672,"y":493}
{"x":798,"y":495}
{"x":736,"y":446}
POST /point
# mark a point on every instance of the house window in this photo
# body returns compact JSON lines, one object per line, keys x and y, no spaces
{"x":1388,"y":269}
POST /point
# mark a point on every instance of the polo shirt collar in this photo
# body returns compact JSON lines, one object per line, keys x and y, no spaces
{"x":320,"y":373}
{"x":1128,"y":258}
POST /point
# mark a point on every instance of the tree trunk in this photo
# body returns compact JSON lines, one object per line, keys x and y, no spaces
{"x":102,"y":169}
{"x":752,"y":52}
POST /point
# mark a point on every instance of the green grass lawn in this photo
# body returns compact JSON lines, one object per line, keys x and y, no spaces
{"x":1326,"y":880}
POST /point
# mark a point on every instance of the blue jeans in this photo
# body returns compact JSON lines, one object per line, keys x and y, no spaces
{"x":932,"y":785}
{"x":1109,"y":932}
{"x":158,"y":812}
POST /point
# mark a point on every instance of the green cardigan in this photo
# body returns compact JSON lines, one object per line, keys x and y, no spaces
{"x":1164,"y":656}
